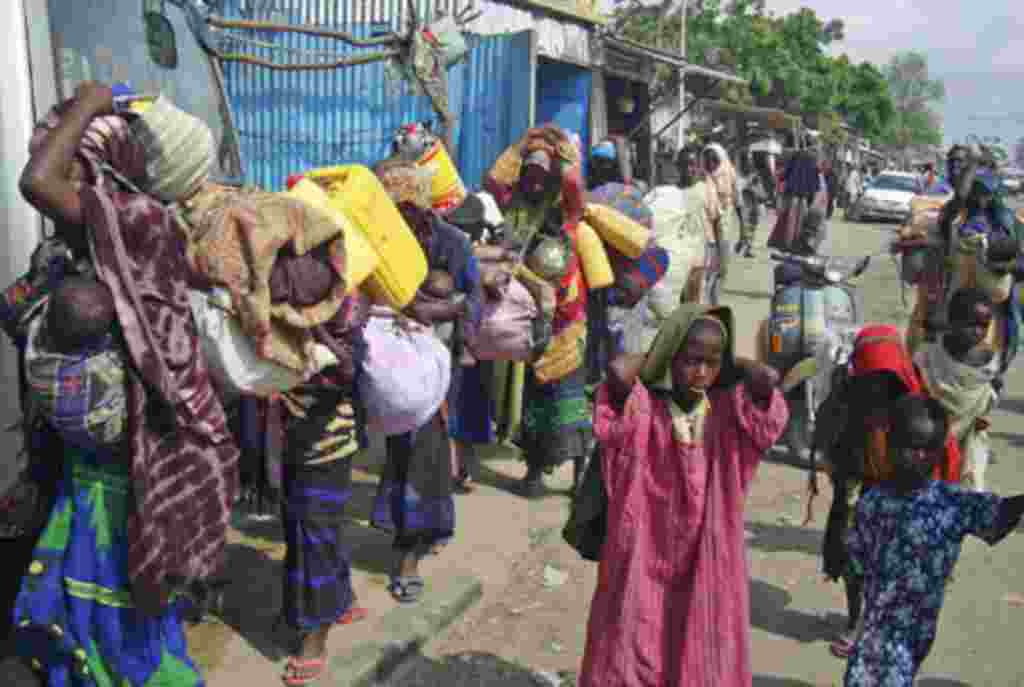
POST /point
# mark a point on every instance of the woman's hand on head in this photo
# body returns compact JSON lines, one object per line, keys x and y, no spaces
{"x":98,"y":97}
{"x":761,"y":379}
{"x":47,"y":181}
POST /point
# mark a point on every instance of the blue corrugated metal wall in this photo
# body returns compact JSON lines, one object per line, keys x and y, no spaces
{"x":496,"y":102}
{"x":291,"y":121}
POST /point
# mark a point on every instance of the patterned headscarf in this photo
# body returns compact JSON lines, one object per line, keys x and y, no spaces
{"x":107,"y":140}
{"x":180,"y":150}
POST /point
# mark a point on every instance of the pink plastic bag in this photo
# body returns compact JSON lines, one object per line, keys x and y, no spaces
{"x":405,"y":375}
{"x":506,"y":327}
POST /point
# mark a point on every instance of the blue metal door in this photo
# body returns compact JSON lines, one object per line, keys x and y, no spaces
{"x":563,"y":97}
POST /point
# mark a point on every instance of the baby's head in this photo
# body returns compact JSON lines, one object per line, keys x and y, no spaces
{"x":81,"y":313}
{"x":970,"y":316}
{"x":918,"y":437}
{"x":698,"y":362}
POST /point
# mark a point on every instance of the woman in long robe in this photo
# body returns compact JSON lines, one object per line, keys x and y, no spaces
{"x":681,"y":439}
{"x":539,"y":188}
{"x":101,"y":603}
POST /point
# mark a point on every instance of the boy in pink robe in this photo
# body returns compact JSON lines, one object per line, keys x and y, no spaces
{"x":682,"y":431}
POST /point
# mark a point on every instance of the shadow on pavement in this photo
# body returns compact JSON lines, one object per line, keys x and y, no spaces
{"x":783,"y":538}
{"x":1013,"y":439}
{"x":768,"y":612}
{"x":1012,"y":405}
{"x":775,"y":681}
{"x":471,"y":669}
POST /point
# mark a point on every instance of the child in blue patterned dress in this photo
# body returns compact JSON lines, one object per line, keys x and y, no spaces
{"x":906,"y":539}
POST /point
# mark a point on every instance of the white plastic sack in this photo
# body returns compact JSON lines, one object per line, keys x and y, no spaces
{"x":639,"y":325}
{"x":232,"y":358}
{"x":405,"y":376}
{"x":675,"y":231}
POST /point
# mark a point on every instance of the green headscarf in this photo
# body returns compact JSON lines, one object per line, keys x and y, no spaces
{"x":657,"y":369}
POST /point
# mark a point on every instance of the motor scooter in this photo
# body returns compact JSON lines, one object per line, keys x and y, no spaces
{"x":814,"y":318}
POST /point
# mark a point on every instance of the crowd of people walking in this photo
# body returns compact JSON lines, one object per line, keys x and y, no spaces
{"x":579,"y":316}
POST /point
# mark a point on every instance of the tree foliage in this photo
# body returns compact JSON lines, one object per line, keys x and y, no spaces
{"x":915,"y":95}
{"x":785,"y":58}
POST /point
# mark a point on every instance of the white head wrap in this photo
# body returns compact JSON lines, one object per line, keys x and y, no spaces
{"x":180,"y":150}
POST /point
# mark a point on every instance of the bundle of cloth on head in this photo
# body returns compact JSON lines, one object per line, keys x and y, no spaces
{"x":184,"y":462}
{"x":180,"y":150}
{"x":281,"y":260}
{"x":549,"y":148}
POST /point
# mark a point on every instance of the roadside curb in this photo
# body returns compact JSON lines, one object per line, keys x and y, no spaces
{"x":410,"y":627}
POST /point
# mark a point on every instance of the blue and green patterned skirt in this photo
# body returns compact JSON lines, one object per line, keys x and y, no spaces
{"x":75,"y":620}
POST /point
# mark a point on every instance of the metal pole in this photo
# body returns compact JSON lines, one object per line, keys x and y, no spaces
{"x":681,"y":130}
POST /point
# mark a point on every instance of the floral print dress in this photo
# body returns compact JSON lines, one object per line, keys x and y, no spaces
{"x":907,"y":546}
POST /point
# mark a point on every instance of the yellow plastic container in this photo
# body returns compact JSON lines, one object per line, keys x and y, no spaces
{"x":357,"y":193}
{"x":447,"y":191}
{"x":622,"y":233}
{"x":597,"y":269}
{"x":360,"y":257}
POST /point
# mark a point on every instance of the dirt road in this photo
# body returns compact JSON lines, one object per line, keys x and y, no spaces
{"x":532,"y":631}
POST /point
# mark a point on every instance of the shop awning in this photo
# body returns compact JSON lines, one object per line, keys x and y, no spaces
{"x":628,"y":46}
{"x":769,"y":117}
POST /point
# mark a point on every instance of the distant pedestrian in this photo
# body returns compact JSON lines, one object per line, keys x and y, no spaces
{"x":906,"y":540}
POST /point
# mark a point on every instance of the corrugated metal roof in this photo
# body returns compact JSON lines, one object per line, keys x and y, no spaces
{"x":674,"y":60}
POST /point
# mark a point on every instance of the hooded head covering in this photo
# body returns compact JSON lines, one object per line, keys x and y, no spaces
{"x":180,"y":151}
{"x":880,"y":348}
{"x":724,"y":178}
{"x":406,"y":183}
{"x":108,"y":140}
{"x":657,"y":370}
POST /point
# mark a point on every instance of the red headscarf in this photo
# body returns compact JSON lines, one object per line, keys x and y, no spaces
{"x":880,"y":348}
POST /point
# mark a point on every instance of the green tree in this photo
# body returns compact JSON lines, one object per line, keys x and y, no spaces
{"x":784,"y":58}
{"x":915,"y":96}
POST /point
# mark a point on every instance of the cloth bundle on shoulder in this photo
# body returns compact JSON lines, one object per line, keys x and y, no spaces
{"x":506,"y":330}
{"x":236,"y":238}
{"x":635,"y":277}
{"x":406,"y":373}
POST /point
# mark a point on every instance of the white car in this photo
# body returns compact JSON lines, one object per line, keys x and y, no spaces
{"x":1012,"y":184}
{"x":887,"y":196}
